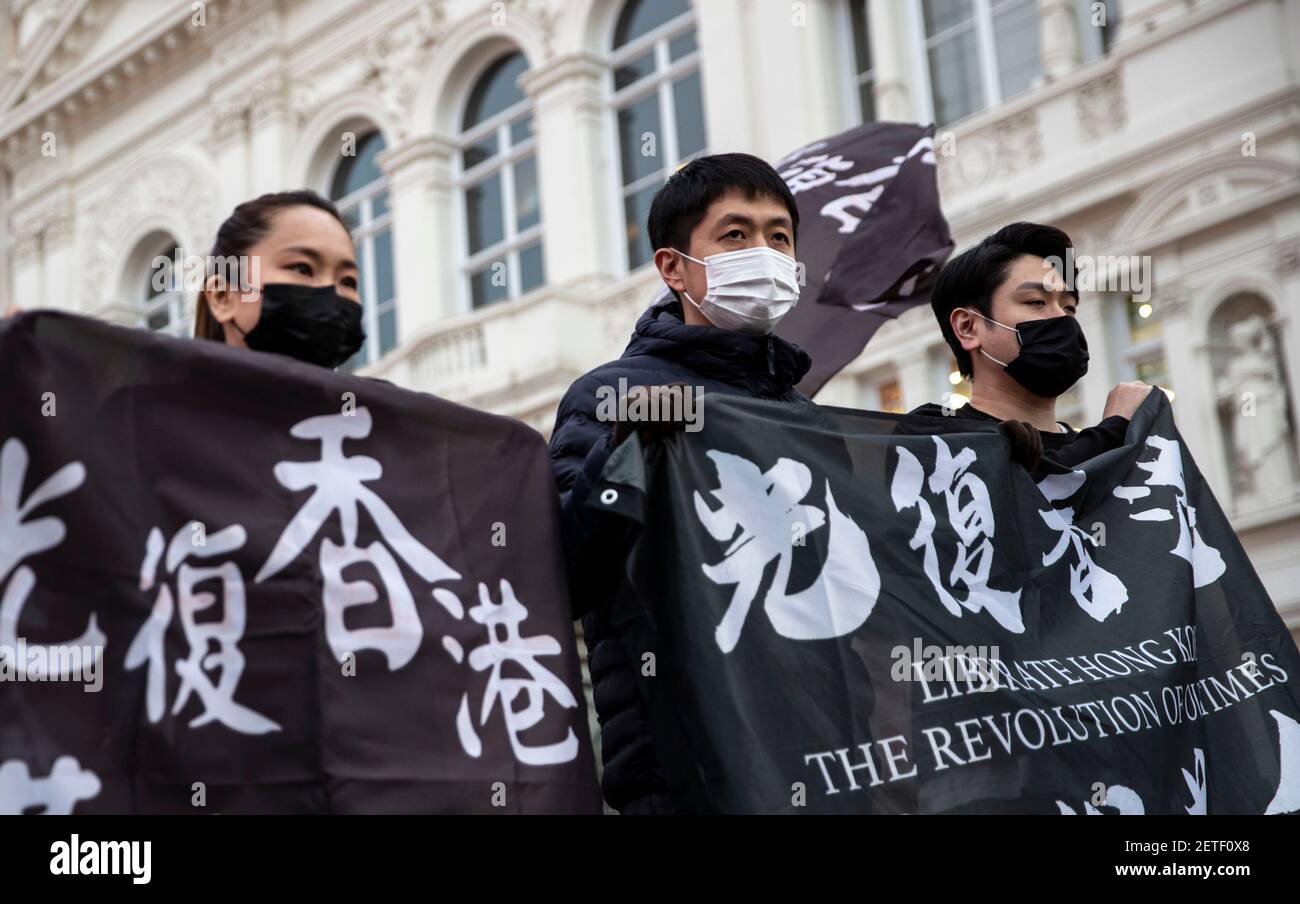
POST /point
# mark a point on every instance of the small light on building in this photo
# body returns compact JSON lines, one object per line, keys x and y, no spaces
{"x":955,"y":377}
{"x":1145,"y":311}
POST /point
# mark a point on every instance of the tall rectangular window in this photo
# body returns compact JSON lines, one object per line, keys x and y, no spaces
{"x":979,"y":53}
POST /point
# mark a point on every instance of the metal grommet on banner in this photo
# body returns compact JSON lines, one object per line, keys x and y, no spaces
{"x":609,"y":497}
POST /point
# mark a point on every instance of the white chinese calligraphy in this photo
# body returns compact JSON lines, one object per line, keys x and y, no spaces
{"x":21,"y":538}
{"x":761,"y":514}
{"x":148,"y":645}
{"x":970,"y":515}
{"x":1124,"y":800}
{"x":56,"y":794}
{"x":1096,"y":590}
{"x":505,"y":644}
{"x":338,"y":483}
{"x":1196,"y":783}
{"x":1287,"y":797}
{"x":1166,"y":470}
{"x":816,"y":170}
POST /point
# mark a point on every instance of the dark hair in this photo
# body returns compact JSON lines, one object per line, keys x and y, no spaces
{"x":970,"y":278}
{"x":247,"y":225}
{"x":683,"y":201}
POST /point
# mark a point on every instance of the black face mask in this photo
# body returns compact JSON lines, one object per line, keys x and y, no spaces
{"x":311,"y":324}
{"x":1053,"y":355}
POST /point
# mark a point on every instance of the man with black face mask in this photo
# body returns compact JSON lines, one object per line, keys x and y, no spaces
{"x":1009,"y":317}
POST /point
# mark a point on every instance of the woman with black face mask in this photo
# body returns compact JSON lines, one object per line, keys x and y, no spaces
{"x":283,"y":278}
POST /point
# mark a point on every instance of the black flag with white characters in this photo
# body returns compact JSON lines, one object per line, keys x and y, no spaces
{"x":852,"y":612}
{"x":235,"y":583}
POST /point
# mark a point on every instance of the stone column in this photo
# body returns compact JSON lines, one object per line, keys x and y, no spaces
{"x":269,"y":135}
{"x":226,"y":142}
{"x":575,"y":173}
{"x":422,"y":197}
{"x":727,"y":70}
{"x":1060,"y":50}
{"x":1099,"y":380}
{"x":1191,"y":370}
{"x":892,"y":44}
{"x":914,"y":379}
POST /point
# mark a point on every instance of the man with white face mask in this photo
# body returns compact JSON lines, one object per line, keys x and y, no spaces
{"x":723,"y":232}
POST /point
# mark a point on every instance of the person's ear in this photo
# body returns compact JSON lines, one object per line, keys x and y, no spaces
{"x":222,"y":300}
{"x":671,"y":267}
{"x":962,"y":323}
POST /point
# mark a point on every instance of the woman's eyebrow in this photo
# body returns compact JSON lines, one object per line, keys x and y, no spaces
{"x":316,"y":256}
{"x":304,"y":251}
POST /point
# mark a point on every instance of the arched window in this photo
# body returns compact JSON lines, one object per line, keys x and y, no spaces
{"x":503,"y":213}
{"x":361,"y":194}
{"x":160,"y":287}
{"x":658,"y":103}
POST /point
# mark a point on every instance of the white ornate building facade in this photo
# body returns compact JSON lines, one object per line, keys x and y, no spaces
{"x":495,"y":159}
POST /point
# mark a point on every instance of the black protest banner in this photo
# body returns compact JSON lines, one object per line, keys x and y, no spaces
{"x":871,"y":237}
{"x":844,"y":611}
{"x":232,"y":582}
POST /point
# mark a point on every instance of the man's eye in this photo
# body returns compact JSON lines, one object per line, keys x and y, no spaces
{"x":735,"y":234}
{"x":781,"y":237}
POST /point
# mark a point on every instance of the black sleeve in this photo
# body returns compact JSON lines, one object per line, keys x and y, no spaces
{"x":595,"y":544}
{"x":1107,"y":435}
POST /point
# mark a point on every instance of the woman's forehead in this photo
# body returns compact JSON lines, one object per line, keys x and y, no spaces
{"x":304,"y":225}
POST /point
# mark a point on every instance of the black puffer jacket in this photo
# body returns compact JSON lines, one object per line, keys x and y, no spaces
{"x":663,"y":350}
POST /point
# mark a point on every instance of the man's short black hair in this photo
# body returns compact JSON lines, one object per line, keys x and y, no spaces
{"x":681,"y":204}
{"x":970,"y":278}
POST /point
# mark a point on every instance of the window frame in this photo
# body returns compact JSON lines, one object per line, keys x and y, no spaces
{"x":364,"y":238}
{"x":983,"y":13}
{"x":171,"y":300}
{"x":1130,"y":354}
{"x":660,"y":82}
{"x":504,"y":162}
{"x":849,"y":48}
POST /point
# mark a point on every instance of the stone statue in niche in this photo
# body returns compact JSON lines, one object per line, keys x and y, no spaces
{"x":1255,"y":414}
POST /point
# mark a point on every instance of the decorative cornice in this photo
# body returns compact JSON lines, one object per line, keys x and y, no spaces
{"x":545,"y":17}
{"x":267,"y":102}
{"x":395,"y":59}
{"x":562,"y":71}
{"x":171,"y":188}
{"x":1172,"y":298}
{"x":48,"y":224}
{"x":61,"y":86}
{"x":1286,"y":257}
{"x":1000,"y":150}
{"x":414,"y":151}
{"x":1099,"y":106}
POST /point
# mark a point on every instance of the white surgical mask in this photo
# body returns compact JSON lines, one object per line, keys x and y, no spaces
{"x":749,"y":290}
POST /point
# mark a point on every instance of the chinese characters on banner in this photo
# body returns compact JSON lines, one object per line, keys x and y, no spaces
{"x":373,"y":622}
